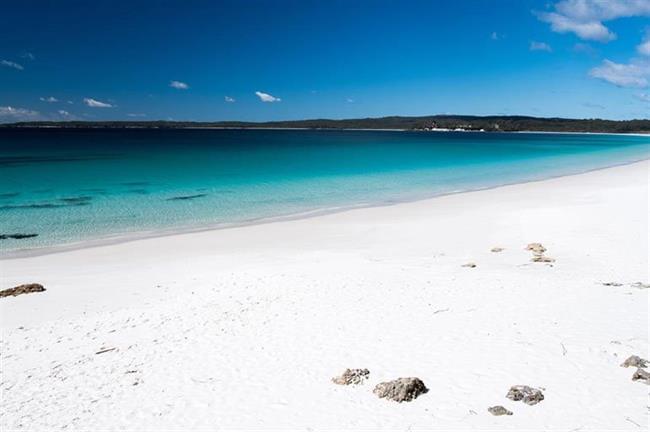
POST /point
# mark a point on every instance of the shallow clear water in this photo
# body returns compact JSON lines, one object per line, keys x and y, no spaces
{"x":71,"y":186}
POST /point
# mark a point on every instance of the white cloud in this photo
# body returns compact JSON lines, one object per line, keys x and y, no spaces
{"x":11,"y":64}
{"x":494,"y":36}
{"x":633,"y":74}
{"x":540,"y":46}
{"x":603,"y":10}
{"x":12,"y":114}
{"x":349,"y":100}
{"x":64,"y":115}
{"x":136,"y":115}
{"x":585,"y":17}
{"x":593,"y":30}
{"x":179,"y":85}
{"x":8,"y":113}
{"x":643,"y":97}
{"x":28,"y":56}
{"x":94,"y":103}
{"x":644,"y":47}
{"x":229,"y":99}
{"x":50,"y":99}
{"x":584,"y":48}
{"x":265,"y":97}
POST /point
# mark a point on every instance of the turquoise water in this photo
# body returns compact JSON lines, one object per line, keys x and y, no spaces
{"x":71,"y":186}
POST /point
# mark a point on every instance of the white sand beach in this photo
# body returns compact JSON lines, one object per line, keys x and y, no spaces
{"x":244,"y":328}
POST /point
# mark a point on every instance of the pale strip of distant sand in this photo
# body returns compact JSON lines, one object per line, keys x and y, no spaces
{"x":645,"y":134}
{"x":243,"y":328}
{"x":410,"y":130}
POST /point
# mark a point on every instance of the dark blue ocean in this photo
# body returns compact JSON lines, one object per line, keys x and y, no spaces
{"x":72,"y":186}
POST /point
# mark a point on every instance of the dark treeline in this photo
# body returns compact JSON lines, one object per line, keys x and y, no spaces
{"x":488,"y":124}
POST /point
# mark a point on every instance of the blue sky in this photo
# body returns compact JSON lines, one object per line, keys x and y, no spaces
{"x":269,"y":60}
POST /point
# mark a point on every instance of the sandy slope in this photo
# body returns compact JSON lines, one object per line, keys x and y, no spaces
{"x":243,"y":328}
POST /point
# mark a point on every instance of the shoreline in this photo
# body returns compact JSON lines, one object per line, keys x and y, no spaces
{"x":179,"y":231}
{"x":148,"y":334}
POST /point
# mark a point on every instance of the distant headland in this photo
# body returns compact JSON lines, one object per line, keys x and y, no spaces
{"x":425,"y":123}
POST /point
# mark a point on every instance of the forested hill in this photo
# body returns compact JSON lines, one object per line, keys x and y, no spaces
{"x":451,"y":122}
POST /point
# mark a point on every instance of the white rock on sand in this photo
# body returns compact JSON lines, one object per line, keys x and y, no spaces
{"x":243,"y":328}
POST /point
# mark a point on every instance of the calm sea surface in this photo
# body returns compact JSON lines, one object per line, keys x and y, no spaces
{"x":71,"y":186}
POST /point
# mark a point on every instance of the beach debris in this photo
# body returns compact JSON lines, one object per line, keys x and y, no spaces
{"x":401,"y":389}
{"x":105,"y":350}
{"x":526,"y":394}
{"x":635,"y":361}
{"x":542,"y":259}
{"x":352,"y":376}
{"x":17,"y":236}
{"x":496,"y":249}
{"x":640,"y":285}
{"x":612,"y":284}
{"x":538,"y":253}
{"x":536,"y":248}
{"x":498,"y":410}
{"x":470,"y":265}
{"x":641,"y":375}
{"x":22,"y":289}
